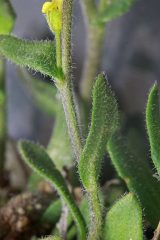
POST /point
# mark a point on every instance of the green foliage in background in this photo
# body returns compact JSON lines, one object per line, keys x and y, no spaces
{"x":59,"y":147}
{"x":7,"y":17}
{"x":111,"y":9}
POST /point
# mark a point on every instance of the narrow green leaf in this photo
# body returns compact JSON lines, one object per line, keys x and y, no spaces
{"x":103,"y":122}
{"x":124,"y":220}
{"x":71,"y":233}
{"x":37,"y":55}
{"x":38,"y":159}
{"x":114,"y":9}
{"x":153,"y":125}
{"x":7,"y":17}
{"x":136,"y":172}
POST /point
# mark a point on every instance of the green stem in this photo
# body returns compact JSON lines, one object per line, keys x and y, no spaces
{"x":102,"y":5}
{"x":95,"y":40}
{"x":96,"y":223}
{"x":71,"y":117}
{"x":66,"y":87}
{"x":58,"y":49}
{"x":89,"y":8}
{"x":66,"y":38}
{"x":93,"y":60}
{"x":2,"y":118}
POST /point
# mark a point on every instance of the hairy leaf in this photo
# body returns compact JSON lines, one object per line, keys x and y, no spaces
{"x":103,"y":122}
{"x":153,"y":125}
{"x":38,"y":159}
{"x":7,"y":17}
{"x":135,"y":170}
{"x":124,"y":220}
{"x":37,"y":55}
{"x":113,"y":9}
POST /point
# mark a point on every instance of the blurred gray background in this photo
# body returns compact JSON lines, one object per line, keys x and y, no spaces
{"x":131,"y":61}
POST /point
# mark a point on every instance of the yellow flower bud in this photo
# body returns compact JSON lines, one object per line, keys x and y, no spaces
{"x":53,"y":12}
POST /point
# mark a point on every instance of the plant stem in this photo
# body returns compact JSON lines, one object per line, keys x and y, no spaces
{"x":102,"y":5}
{"x":89,"y":8}
{"x":66,"y":38}
{"x":66,"y":87}
{"x":96,"y":214}
{"x":96,"y":36}
{"x":2,"y":118}
{"x":71,"y":117}
{"x":58,"y":49}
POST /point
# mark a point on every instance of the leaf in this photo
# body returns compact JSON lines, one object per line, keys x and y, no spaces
{"x":37,"y":55}
{"x":59,"y":147}
{"x":44,"y":94}
{"x":7,"y":17}
{"x":34,"y":181}
{"x":124,"y":220}
{"x":153,"y":125}
{"x":114,"y":9}
{"x":103,"y":122}
{"x":52,"y":214}
{"x":38,"y":159}
{"x":136,"y":172}
{"x":84,"y":207}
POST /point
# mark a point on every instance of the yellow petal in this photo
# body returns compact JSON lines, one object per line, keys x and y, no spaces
{"x":53,"y":12}
{"x":60,"y":4}
{"x":48,"y":7}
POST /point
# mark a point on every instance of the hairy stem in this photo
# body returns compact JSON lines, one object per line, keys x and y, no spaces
{"x":66,"y":38}
{"x":66,"y":87}
{"x":71,"y":117}
{"x":96,"y":217}
{"x":93,"y":60}
{"x":2,"y":117}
